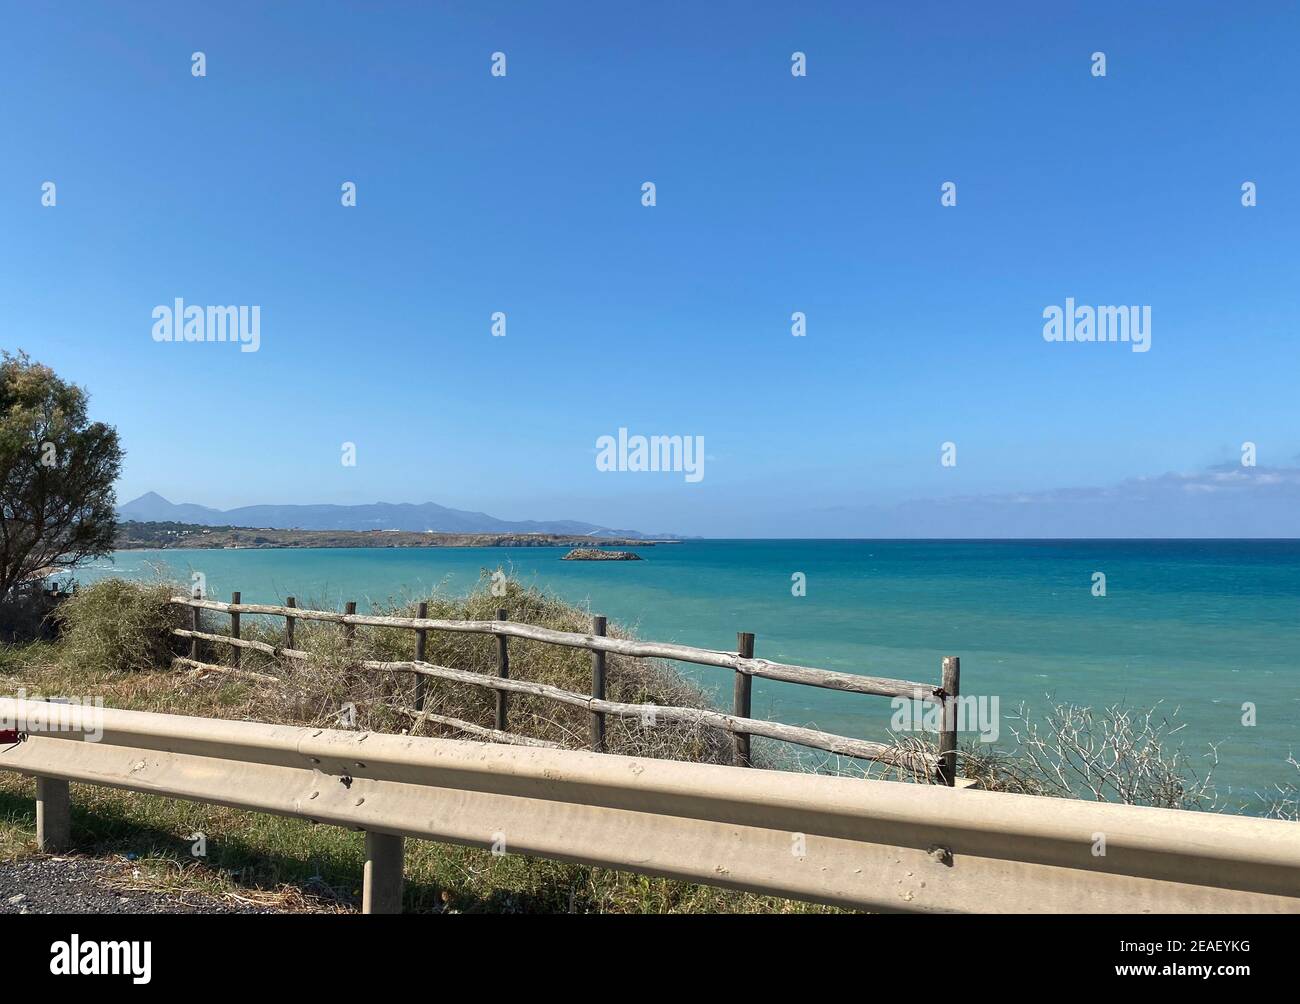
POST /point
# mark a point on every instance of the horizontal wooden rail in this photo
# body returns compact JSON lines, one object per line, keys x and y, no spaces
{"x":265,"y":648}
{"x":805,"y":675}
{"x":796,"y":734}
{"x":208,"y":667}
{"x":875,"y":845}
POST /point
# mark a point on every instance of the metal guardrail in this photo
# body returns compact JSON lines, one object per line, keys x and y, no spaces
{"x":876,"y":845}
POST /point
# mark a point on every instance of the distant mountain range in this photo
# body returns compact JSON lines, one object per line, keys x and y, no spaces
{"x":428,"y":516}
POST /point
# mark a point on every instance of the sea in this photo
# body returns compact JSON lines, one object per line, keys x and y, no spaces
{"x":1206,"y":632}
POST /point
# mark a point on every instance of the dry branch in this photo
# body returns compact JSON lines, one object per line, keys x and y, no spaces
{"x":247,"y":674}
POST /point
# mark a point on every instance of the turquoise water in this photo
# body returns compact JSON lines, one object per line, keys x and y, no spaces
{"x":1205,"y":626}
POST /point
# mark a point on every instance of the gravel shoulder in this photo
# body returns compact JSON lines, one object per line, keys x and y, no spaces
{"x":92,"y":885}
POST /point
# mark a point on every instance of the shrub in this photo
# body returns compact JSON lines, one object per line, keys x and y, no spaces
{"x":1284,"y":801}
{"x":119,"y":626}
{"x":1113,"y":754}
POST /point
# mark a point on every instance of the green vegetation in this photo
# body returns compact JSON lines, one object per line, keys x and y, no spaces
{"x":118,"y":626}
{"x":57,"y":470}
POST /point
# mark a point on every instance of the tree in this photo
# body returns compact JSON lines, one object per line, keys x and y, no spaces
{"x":57,"y":505}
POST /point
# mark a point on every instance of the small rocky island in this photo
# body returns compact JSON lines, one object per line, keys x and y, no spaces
{"x":596,"y":554}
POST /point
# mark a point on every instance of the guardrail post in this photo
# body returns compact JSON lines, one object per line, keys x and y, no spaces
{"x":421,"y":639}
{"x":947,"y":764}
{"x":381,"y":886}
{"x":598,"y":687}
{"x":234,"y":631}
{"x":289,"y":601}
{"x":503,"y":671}
{"x":195,"y":625}
{"x":349,"y":630}
{"x":53,"y":815}
{"x":741,"y":697}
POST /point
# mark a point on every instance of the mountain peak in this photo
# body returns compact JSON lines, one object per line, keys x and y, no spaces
{"x":148,"y":498}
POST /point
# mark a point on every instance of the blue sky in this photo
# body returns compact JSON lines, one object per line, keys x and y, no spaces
{"x":775,"y":194}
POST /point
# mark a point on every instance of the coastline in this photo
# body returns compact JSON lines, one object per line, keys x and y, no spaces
{"x":182,"y":536}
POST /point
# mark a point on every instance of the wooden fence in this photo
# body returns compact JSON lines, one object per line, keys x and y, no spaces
{"x":739,"y":724}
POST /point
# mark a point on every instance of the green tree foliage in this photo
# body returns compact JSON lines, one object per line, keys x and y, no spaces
{"x":57,"y":469}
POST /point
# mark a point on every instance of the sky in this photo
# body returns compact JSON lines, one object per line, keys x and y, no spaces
{"x":774,"y":194}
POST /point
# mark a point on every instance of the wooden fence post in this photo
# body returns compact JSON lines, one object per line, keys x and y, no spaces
{"x":503,"y":671}
{"x":195,"y":625}
{"x":741,"y":697}
{"x":948,"y":735}
{"x":349,"y":630}
{"x":288,"y":622}
{"x":421,"y":638}
{"x":234,"y":631}
{"x":598,"y":687}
